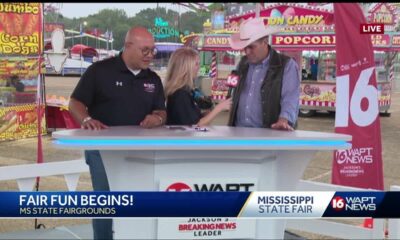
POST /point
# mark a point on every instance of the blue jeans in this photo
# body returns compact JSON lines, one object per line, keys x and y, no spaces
{"x":102,"y":228}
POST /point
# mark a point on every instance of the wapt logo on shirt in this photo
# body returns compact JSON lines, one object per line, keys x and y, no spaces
{"x":149,"y":87}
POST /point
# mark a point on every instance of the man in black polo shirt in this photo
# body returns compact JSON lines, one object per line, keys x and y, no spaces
{"x":115,"y":92}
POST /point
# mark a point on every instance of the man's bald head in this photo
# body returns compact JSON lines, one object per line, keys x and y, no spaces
{"x":137,"y":32}
{"x":139,"y":42}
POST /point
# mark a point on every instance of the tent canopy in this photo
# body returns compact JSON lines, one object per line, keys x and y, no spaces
{"x":86,"y":51}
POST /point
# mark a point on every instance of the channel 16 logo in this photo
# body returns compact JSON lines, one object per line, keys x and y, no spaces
{"x":353,"y":203}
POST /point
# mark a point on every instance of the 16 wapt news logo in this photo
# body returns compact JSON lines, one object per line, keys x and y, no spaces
{"x":354,"y":204}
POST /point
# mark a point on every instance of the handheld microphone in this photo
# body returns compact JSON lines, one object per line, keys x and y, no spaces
{"x":232,"y":82}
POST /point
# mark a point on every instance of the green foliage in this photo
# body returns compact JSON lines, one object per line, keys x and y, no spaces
{"x":117,"y":21}
{"x":193,"y":22}
{"x":216,"y":7}
{"x":53,"y":17}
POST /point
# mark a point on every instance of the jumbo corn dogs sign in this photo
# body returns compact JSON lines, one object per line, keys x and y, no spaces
{"x":20,"y":29}
{"x":20,"y":49}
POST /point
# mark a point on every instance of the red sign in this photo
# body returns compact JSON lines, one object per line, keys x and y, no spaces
{"x":372,"y":28}
{"x":290,"y":14}
{"x":324,"y":41}
{"x":304,"y":40}
{"x":380,"y":40}
{"x":357,"y":109}
{"x":216,"y":41}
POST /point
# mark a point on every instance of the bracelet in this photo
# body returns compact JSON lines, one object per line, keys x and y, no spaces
{"x":86,"y":119}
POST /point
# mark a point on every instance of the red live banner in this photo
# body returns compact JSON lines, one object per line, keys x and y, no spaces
{"x":357,"y":110}
{"x":372,"y":28}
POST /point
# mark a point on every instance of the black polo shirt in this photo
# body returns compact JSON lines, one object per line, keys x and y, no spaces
{"x":182,"y":109}
{"x":115,"y":96}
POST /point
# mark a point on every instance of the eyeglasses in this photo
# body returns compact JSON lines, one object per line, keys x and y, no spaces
{"x":146,"y":51}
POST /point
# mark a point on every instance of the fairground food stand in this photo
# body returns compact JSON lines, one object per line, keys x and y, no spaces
{"x":308,"y":37}
{"x":217,"y":59}
{"x":20,"y":78}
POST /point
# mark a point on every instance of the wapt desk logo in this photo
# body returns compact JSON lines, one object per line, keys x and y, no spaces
{"x":179,"y":187}
{"x":354,"y":203}
{"x":216,"y":186}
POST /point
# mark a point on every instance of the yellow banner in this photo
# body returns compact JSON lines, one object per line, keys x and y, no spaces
{"x":20,"y":122}
{"x":20,"y":49}
{"x":24,"y":68}
{"x":20,"y":29}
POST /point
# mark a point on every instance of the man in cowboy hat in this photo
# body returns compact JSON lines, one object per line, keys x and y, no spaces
{"x":269,"y":84}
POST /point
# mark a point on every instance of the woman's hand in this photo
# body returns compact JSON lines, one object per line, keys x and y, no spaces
{"x":225,"y":105}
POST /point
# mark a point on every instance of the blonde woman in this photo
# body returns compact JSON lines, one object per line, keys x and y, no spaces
{"x":183,"y":67}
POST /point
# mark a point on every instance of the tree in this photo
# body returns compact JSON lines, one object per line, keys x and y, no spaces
{"x":192,"y":22}
{"x":117,"y":21}
{"x":51,"y":17}
{"x":114,"y":20}
{"x":216,"y":7}
{"x":148,"y":15}
{"x":186,"y":23}
{"x":170,"y":18}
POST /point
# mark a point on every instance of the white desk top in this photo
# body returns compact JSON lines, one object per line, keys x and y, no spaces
{"x":187,"y":138}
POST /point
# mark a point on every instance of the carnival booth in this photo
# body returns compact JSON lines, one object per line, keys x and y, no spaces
{"x":20,"y":78}
{"x":217,"y":59}
{"x":309,"y":37}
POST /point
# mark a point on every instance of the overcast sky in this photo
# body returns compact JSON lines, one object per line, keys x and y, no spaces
{"x":77,"y":10}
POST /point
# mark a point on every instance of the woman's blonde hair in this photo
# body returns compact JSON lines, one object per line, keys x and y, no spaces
{"x":180,"y":70}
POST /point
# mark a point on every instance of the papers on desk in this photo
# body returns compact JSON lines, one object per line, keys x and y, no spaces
{"x":188,"y":128}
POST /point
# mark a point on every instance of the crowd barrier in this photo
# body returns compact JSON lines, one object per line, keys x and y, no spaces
{"x":26,"y":174}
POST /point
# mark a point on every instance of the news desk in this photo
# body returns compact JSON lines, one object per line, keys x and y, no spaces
{"x":138,"y":159}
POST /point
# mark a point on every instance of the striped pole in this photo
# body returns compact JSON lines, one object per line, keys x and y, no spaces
{"x":391,"y":79}
{"x":213,"y":75}
{"x":391,"y":72}
{"x":213,"y":68}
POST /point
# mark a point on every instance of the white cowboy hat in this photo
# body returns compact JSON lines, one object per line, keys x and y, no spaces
{"x":250,"y":30}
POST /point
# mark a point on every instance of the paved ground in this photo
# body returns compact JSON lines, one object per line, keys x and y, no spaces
{"x":319,"y":169}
